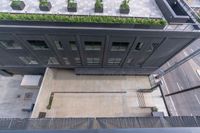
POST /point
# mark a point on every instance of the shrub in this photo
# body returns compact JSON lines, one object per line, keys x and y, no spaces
{"x":71,"y":4}
{"x":125,"y":4}
{"x":16,"y":3}
{"x":50,"y":101}
{"x":98,"y":4}
{"x":80,"y":19}
{"x":44,"y":2}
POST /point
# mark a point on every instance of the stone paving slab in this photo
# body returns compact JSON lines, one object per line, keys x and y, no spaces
{"x":13,"y":97}
{"x":138,"y":8}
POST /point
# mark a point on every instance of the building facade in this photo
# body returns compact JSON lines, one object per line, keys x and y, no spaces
{"x":30,"y":47}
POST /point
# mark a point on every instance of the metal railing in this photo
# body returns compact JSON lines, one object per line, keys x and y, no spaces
{"x":190,"y":27}
{"x":190,"y":10}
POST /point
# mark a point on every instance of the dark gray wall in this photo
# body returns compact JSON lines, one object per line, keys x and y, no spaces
{"x":167,"y":44}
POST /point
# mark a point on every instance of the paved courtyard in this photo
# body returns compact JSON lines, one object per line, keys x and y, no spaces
{"x":138,"y":8}
{"x":95,"y":96}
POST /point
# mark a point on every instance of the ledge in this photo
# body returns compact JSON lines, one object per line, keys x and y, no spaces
{"x":66,"y":20}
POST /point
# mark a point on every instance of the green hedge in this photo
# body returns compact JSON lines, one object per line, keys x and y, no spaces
{"x":80,"y":19}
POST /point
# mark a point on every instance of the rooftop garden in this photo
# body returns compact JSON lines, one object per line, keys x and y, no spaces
{"x":80,"y":19}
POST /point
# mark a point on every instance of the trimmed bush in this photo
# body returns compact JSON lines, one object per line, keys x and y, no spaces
{"x":45,"y":5}
{"x":124,"y":7}
{"x":80,"y":19}
{"x":17,"y":5}
{"x":98,"y":6}
{"x":50,"y":101}
{"x":71,"y":6}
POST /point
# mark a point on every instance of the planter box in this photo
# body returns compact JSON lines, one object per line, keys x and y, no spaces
{"x":98,"y":10}
{"x":46,"y":7}
{"x":124,"y":11}
{"x":173,"y":13}
{"x":72,"y":9}
{"x":18,"y":7}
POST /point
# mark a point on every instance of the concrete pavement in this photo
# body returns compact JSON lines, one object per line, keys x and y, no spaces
{"x":183,"y":77}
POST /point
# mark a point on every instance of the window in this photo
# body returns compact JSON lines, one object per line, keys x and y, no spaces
{"x":10,"y":44}
{"x":93,"y":61}
{"x":58,"y":45}
{"x":66,"y":61}
{"x":52,"y":61}
{"x":130,"y":60}
{"x":73,"y":45}
{"x":139,"y":46}
{"x":155,"y":45}
{"x":92,"y":46}
{"x":28,"y":60}
{"x":38,"y":44}
{"x":78,"y":61}
{"x":119,"y":46}
{"x":152,"y":47}
{"x":114,"y":61}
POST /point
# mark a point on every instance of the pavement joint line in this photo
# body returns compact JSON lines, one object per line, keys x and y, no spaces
{"x":89,"y":92}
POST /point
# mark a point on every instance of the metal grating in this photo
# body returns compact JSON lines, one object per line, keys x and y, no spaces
{"x":98,"y":123}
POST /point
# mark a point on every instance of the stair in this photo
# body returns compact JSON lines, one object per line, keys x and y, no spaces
{"x":141,"y":100}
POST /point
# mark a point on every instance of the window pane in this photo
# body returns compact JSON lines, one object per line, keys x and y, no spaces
{"x":119,"y":46}
{"x":38,"y":44}
{"x":114,"y":61}
{"x":78,"y":61}
{"x":10,"y":44}
{"x":52,"y":61}
{"x":92,"y":45}
{"x":66,"y":61}
{"x":28,"y":60}
{"x":94,"y":61}
{"x":73,"y":45}
{"x":59,"y":45}
{"x":130,"y":60}
{"x":139,"y":46}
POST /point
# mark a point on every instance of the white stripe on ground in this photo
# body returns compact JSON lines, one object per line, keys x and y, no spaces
{"x":173,"y":106}
{"x":179,"y":87}
{"x":163,"y":79}
{"x":185,"y":53}
{"x":197,"y":98}
{"x":168,"y":64}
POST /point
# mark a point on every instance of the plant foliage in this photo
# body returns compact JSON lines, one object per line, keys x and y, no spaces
{"x":71,"y":4}
{"x":80,"y":19}
{"x":125,"y":4}
{"x":16,"y":3}
{"x":44,"y":2}
{"x":98,"y":4}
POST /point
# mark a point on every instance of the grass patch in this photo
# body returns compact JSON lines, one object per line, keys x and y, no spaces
{"x":80,"y":19}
